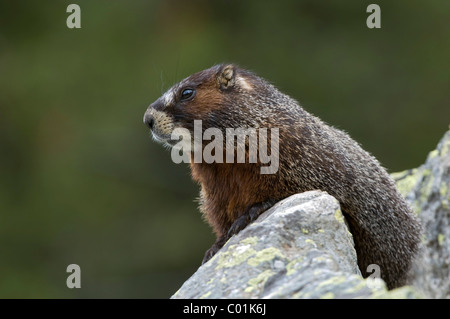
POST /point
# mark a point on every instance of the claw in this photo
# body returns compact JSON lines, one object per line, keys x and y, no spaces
{"x":239,"y":224}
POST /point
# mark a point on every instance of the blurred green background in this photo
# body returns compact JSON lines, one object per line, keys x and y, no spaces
{"x":81,"y":181}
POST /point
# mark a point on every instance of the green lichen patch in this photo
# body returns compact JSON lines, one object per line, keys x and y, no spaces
{"x":265,"y":255}
{"x":233,"y":257}
{"x":176,"y":293}
{"x":433,"y":154}
{"x":333,"y":281}
{"x":406,"y":181}
{"x":426,"y":189}
{"x":291,"y":267}
{"x":405,"y":292}
{"x":328,"y":295}
{"x":357,"y":287}
{"x":249,"y":289}
{"x":338,"y":215}
{"x":259,"y":280}
{"x":443,"y":189}
{"x":441,"y":239}
{"x":250,"y":240}
{"x":445,"y":148}
{"x":206,"y":295}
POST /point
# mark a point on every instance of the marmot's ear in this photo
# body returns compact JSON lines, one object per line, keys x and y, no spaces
{"x":226,"y":76}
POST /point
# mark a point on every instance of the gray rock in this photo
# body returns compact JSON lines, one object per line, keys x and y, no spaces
{"x":300,"y":248}
{"x":427,"y":189}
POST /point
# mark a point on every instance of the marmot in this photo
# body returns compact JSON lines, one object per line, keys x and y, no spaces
{"x":312,"y":155}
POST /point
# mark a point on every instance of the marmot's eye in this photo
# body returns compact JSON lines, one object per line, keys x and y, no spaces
{"x":187,"y":94}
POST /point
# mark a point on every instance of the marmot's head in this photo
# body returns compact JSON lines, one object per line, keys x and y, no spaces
{"x":223,"y":96}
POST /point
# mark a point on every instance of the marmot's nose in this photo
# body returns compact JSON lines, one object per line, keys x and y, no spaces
{"x":149,"y":120}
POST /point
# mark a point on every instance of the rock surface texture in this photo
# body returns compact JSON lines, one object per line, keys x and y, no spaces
{"x":302,"y":248}
{"x":427,"y":189}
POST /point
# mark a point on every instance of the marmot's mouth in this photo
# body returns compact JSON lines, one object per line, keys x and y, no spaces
{"x":161,"y":138}
{"x":164,"y":139}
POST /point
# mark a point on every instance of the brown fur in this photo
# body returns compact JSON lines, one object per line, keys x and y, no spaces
{"x":312,"y":154}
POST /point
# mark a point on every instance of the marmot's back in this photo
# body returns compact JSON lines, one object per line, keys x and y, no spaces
{"x":312,"y":155}
{"x":384,"y":229}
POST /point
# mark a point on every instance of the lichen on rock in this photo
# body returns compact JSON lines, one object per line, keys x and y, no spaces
{"x":302,"y":247}
{"x":290,"y":262}
{"x":426,"y":188}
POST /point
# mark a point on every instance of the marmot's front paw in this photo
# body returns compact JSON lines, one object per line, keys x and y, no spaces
{"x":210,"y":253}
{"x":214,"y":249}
{"x":249,"y":216}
